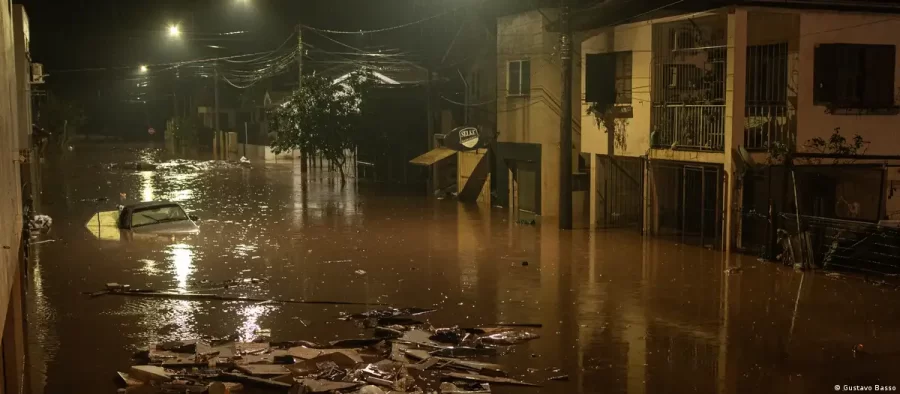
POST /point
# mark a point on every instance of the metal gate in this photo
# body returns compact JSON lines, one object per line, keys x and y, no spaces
{"x":686,"y":202}
{"x":620,"y":192}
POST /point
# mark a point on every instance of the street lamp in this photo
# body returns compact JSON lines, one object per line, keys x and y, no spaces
{"x":174,"y":31}
{"x":143,"y":69}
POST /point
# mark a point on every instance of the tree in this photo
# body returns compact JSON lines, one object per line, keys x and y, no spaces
{"x":324,"y":116}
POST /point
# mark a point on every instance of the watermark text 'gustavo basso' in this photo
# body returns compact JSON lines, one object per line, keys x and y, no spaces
{"x":847,"y":387}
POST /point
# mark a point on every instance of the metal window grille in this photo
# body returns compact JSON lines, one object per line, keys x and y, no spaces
{"x":688,"y":84}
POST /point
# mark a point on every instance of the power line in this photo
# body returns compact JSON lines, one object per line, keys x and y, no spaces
{"x":352,"y":47}
{"x":262,"y":57}
{"x":181,"y":63}
{"x":329,"y":31}
{"x":468,"y":105}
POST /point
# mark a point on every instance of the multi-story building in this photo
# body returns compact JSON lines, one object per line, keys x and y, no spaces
{"x":529,"y":88}
{"x":14,"y":141}
{"x":677,"y":109}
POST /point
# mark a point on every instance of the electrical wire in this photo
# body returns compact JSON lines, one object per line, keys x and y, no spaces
{"x":179,"y":63}
{"x":355,"y":48}
{"x":329,"y":31}
{"x":273,"y":51}
{"x":470,"y":104}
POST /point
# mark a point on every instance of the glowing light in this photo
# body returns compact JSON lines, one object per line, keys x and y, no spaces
{"x":174,"y":31}
{"x":144,"y":69}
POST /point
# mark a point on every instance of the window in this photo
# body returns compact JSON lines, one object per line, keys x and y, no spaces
{"x":623,"y":78}
{"x":154,"y":215}
{"x":608,"y":78}
{"x":854,"y":76}
{"x":518,"y":78}
{"x":767,"y":74}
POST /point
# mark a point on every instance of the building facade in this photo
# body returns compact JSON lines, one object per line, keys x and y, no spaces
{"x":678,"y":112}
{"x":15,"y":151}
{"x":529,"y":88}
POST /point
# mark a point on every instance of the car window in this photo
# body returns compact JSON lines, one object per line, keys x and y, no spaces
{"x":168,"y":213}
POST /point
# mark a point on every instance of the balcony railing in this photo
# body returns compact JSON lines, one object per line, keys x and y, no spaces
{"x":691,"y":127}
{"x":767,"y":124}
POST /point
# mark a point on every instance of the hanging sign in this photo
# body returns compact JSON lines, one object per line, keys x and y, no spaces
{"x":468,"y":138}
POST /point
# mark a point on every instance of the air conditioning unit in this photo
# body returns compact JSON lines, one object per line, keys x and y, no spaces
{"x":37,"y":73}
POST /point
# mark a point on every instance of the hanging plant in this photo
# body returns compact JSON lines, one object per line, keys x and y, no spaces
{"x":605,"y":116}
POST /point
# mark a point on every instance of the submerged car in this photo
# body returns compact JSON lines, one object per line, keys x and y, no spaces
{"x":158,"y":218}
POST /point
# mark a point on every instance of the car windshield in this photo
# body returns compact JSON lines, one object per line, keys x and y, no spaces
{"x":154,"y":215}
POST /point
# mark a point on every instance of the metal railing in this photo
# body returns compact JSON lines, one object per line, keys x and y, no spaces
{"x":766,"y":124}
{"x":696,"y":127}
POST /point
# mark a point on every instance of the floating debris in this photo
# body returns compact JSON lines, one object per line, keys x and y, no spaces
{"x":388,"y":313}
{"x":409,"y":360}
{"x":40,"y":223}
{"x":734,"y":270}
{"x":127,"y":291}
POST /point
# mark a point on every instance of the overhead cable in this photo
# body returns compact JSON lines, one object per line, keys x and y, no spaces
{"x":329,"y":31}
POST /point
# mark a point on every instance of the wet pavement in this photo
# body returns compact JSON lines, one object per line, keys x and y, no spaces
{"x":620,"y":313}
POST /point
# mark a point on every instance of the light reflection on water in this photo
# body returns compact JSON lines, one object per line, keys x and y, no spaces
{"x":147,"y":191}
{"x":181,"y":257}
{"x":251,"y":315}
{"x":629,"y":314}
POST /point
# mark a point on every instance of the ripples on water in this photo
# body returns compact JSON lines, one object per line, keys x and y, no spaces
{"x":621,"y":313}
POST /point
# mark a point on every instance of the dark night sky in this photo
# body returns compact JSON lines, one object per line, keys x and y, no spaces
{"x":69,"y":34}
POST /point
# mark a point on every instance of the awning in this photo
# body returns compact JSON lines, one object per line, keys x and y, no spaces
{"x":434,"y":156}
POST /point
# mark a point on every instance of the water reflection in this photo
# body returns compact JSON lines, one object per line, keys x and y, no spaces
{"x":147,"y":190}
{"x":620,"y":312}
{"x":251,"y":315}
{"x":181,"y":258}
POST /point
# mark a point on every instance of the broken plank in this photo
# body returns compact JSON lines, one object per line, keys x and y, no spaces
{"x":253,"y":381}
{"x":128,"y":380}
{"x":149,"y":373}
{"x":263,"y":370}
{"x":324,"y":386}
{"x":304,"y":353}
{"x":489,"y":379}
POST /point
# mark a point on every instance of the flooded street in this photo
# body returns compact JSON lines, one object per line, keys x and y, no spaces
{"x":620,"y":313}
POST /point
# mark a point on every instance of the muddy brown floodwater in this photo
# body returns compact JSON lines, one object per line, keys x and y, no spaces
{"x":621,"y":313}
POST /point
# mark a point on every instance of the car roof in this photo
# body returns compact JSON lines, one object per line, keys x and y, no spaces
{"x":149,"y":204}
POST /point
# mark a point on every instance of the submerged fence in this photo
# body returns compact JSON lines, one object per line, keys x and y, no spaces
{"x":850,"y":245}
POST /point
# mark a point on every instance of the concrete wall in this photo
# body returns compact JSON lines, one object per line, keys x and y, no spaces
{"x":636,"y":38}
{"x":262,"y":152}
{"x":10,"y":211}
{"x":830,"y":27}
{"x":536,"y":118}
{"x":23,"y":69}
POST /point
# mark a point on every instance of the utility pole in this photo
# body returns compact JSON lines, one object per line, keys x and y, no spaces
{"x":433,"y":183}
{"x":465,"y":99}
{"x":216,"y":110}
{"x":303,"y":154}
{"x":565,"y":124}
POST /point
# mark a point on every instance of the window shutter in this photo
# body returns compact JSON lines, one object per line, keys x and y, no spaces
{"x":879,"y":76}
{"x":600,"y":78}
{"x":824,"y":75}
{"x":513,"y":78}
{"x":526,"y":77}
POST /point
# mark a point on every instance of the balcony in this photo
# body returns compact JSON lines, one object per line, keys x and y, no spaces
{"x":767,"y":124}
{"x":691,"y":127}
